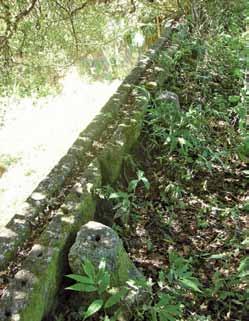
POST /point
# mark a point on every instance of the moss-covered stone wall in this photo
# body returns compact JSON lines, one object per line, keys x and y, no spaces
{"x":34,"y":245}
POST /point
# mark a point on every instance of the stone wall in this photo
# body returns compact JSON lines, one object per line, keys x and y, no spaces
{"x":35,"y":243}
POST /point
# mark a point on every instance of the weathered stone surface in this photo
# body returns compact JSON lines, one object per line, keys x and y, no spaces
{"x":10,"y":238}
{"x":96,"y":241}
{"x":133,"y":131}
{"x":32,"y":292}
{"x":169,"y":97}
{"x":124,"y":138}
{"x":111,"y":159}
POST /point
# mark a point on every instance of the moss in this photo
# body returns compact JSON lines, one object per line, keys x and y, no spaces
{"x":11,"y":238}
{"x":111,"y":160}
{"x":126,"y":270}
{"x":133,"y":131}
{"x":46,"y":263}
{"x":48,"y":273}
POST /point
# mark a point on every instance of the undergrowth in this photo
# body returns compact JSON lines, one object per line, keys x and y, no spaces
{"x":189,"y":233}
{"x":182,"y":205}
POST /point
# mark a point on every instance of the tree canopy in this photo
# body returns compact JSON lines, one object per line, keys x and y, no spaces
{"x":39,"y":39}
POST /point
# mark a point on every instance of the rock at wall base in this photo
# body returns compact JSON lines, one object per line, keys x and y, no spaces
{"x":168,"y":97}
{"x":95,"y":242}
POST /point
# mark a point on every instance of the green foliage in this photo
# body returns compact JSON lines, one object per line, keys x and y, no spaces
{"x":39,"y":40}
{"x":243,"y":149}
{"x":180,"y":272}
{"x":160,"y":305}
{"x":140,"y":179}
{"x":206,"y":137}
{"x":244,"y":268}
{"x":206,"y":73}
{"x":194,"y":145}
{"x":125,"y":201}
{"x":164,"y":304}
{"x":166,"y":309}
{"x":93,"y":308}
{"x":98,"y":282}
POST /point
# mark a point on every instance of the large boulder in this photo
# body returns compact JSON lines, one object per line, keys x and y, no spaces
{"x":95,"y":242}
{"x":168,"y":97}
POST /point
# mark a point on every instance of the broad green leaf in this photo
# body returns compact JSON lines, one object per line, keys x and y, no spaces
{"x":82,"y":287}
{"x":161,"y":276}
{"x":146,"y":183}
{"x":234,"y":99}
{"x":118,"y":195}
{"x":173,"y":309}
{"x":165,"y":299}
{"x":114,"y":195}
{"x":94,"y":307}
{"x":244,"y":267}
{"x":140,"y":174}
{"x":115,"y":298}
{"x":244,"y":264}
{"x":166,"y":308}
{"x":245,"y":207}
{"x":237,"y":72}
{"x":191,"y":283}
{"x":246,"y":241}
{"x":183,"y":270}
{"x":143,"y":283}
{"x":164,"y":316}
{"x":218,"y":256}
{"x":153,"y":314}
{"x":132,"y":185}
{"x":89,"y":269}
{"x":104,"y":282}
{"x":80,"y":278}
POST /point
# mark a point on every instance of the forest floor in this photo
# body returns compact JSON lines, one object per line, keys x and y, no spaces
{"x":36,"y":133}
{"x":188,"y":206}
{"x":198,"y":225}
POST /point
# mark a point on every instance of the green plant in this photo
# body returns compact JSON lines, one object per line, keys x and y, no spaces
{"x":97,"y":281}
{"x":173,"y":193}
{"x":166,"y":309}
{"x":180,"y":273}
{"x":164,"y":303}
{"x":160,"y":306}
{"x":243,"y":149}
{"x":126,"y":201}
{"x":231,"y":289}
